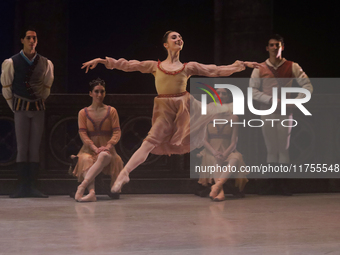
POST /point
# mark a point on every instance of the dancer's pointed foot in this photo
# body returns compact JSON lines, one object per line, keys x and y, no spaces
{"x":91,"y":197}
{"x":215,"y":191}
{"x":122,"y":179}
{"x":80,"y":190}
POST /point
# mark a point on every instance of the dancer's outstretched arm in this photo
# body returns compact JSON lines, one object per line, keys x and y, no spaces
{"x":148,"y":66}
{"x":195,"y":68}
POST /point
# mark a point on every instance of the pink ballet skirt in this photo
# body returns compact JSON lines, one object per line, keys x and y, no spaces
{"x":177,"y":124}
{"x":170,"y":130}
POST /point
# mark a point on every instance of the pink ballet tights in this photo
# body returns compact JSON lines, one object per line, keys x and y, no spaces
{"x":137,"y":158}
{"x":103,"y":160}
{"x":217,"y":193}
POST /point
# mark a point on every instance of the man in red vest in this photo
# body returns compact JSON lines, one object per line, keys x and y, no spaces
{"x":277,"y":72}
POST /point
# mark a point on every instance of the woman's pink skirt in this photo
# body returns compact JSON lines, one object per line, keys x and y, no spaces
{"x":177,"y":124}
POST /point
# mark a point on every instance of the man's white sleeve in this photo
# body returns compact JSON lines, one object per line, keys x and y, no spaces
{"x":48,"y":80}
{"x":7,"y":76}
{"x":255,"y":83}
{"x":302,"y":79}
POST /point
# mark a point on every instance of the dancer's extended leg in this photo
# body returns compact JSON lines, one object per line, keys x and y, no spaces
{"x":137,"y":158}
{"x":102,"y":161}
{"x":217,"y":193}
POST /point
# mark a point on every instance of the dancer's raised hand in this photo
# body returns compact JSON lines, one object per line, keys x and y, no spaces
{"x":90,"y":64}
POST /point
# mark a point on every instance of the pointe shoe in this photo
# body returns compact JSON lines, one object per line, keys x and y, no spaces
{"x":215,"y":190}
{"x":81,"y":190}
{"x":220,"y":197}
{"x":91,"y":197}
{"x":122,"y":179}
{"x":79,"y":194}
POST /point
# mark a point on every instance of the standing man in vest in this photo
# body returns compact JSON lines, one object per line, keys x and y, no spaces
{"x":277,"y":137}
{"x":26,"y":80}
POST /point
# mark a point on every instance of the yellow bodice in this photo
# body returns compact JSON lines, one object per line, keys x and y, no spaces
{"x":170,"y":82}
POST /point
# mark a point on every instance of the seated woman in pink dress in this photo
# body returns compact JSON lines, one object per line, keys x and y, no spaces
{"x":170,"y":131}
{"x":99,"y":130}
{"x":220,"y":148}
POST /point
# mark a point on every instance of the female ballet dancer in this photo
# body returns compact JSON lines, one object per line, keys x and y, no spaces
{"x":99,"y":130}
{"x":170,"y":131}
{"x":220,"y":148}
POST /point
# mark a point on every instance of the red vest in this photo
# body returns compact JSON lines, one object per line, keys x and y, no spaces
{"x":281,"y":77}
{"x":284,"y":71}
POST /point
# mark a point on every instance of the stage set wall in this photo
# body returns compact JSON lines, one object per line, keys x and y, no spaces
{"x":316,"y":139}
{"x":239,"y":31}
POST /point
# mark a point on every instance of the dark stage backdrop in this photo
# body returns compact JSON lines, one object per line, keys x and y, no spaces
{"x":311,"y":37}
{"x":134,"y":30}
{"x":84,"y":29}
{"x":7,"y":11}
